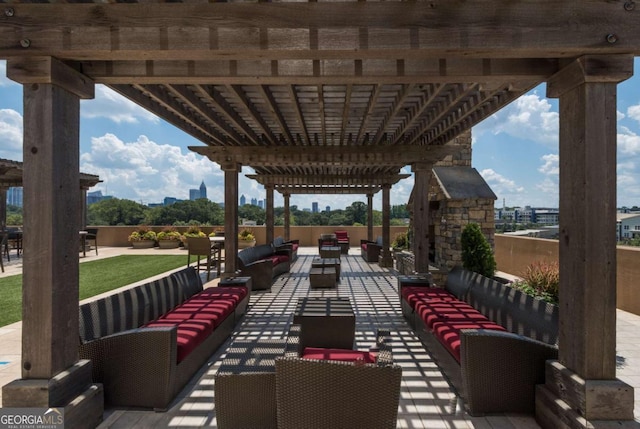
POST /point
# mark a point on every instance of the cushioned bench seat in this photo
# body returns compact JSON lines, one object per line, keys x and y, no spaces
{"x":343,"y":355}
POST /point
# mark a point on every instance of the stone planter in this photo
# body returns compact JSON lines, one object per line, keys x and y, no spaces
{"x":243,"y":244}
{"x":168,"y":244}
{"x":143,"y":244}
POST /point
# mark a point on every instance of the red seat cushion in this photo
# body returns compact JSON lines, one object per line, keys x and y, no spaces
{"x":433,"y":310}
{"x":413,"y":294}
{"x":294,"y":246}
{"x":237,"y":293}
{"x":337,"y":354}
{"x":364,"y":246}
{"x":190,"y":333}
{"x":448,"y":332}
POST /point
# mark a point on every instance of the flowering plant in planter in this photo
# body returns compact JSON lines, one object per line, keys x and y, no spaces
{"x":169,"y":233}
{"x":192,"y":231}
{"x":246,"y":235}
{"x":142,"y":233}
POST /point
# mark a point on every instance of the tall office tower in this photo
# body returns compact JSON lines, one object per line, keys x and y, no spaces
{"x":203,"y":190}
{"x":314,"y":207}
{"x":243,"y":200}
{"x":14,"y":196}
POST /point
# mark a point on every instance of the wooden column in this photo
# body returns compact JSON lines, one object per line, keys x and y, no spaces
{"x":269,"y":214}
{"x":287,"y":216}
{"x":421,"y":221}
{"x":52,"y":375}
{"x":3,"y":208}
{"x":231,"y":172}
{"x":584,"y":375}
{"x":386,"y":260}
{"x":370,"y":217}
{"x":83,"y":207}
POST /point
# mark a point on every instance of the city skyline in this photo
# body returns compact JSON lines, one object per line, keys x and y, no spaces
{"x":142,"y":158}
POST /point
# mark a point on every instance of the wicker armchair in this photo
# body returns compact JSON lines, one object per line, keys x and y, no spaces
{"x":335,"y":394}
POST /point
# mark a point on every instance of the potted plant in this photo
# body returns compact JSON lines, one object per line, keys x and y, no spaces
{"x":400,"y":243}
{"x":169,"y":238}
{"x":142,"y":238}
{"x":192,"y":231}
{"x":477,"y":255}
{"x":246,"y":238}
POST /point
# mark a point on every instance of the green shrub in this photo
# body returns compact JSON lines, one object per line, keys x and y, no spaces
{"x":477,"y":255}
{"x":143,"y":232}
{"x":401,"y":241}
{"x":541,"y":279}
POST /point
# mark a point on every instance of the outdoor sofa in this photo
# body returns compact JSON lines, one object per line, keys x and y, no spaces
{"x":493,"y":339}
{"x":263,"y":263}
{"x":146,"y":342}
{"x":370,"y":250}
{"x":292,"y":245}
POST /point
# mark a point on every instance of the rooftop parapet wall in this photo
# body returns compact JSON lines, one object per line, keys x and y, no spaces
{"x":514,"y":254}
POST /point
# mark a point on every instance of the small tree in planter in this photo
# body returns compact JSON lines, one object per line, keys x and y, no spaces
{"x":192,"y":231}
{"x":477,"y":255}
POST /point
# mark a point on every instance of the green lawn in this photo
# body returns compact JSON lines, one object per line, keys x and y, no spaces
{"x":96,"y":277}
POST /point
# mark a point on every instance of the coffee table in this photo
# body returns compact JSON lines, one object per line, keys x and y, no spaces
{"x":330,"y":252}
{"x":322,"y":277}
{"x":327,"y":322}
{"x":327,"y":262}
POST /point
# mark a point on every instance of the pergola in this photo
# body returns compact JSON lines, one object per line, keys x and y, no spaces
{"x":325,"y":97}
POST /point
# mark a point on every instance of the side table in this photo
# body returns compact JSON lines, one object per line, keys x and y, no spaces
{"x":330,"y":252}
{"x":327,"y":262}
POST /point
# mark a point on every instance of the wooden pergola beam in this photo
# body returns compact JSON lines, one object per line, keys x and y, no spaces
{"x":192,"y":31}
{"x":294,"y":156}
{"x":326,"y":179}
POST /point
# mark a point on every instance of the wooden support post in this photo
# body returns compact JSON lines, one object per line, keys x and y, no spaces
{"x":269,"y":214}
{"x":584,"y":376}
{"x":3,"y":208}
{"x":370,"y":217}
{"x":386,"y":260}
{"x":287,"y":217}
{"x":421,"y":221}
{"x":52,"y":375}
{"x":231,"y":171}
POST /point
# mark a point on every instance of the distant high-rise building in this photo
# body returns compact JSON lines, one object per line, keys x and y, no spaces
{"x":254,"y":201}
{"x":14,"y":196}
{"x":96,"y":196}
{"x":314,"y":207}
{"x":243,"y":200}
{"x":203,"y":190}
{"x":327,"y":209}
{"x":169,"y":201}
{"x":261,"y":204}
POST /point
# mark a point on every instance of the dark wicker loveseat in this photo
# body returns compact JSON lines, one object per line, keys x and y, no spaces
{"x":497,"y":337}
{"x":370,"y":250}
{"x":146,"y":342}
{"x":262,"y":263}
{"x":292,"y":245}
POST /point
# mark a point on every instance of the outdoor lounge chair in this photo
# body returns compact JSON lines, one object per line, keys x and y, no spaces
{"x":325,"y":393}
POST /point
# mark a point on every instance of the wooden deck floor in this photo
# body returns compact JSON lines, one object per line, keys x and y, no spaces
{"x":427,"y":400}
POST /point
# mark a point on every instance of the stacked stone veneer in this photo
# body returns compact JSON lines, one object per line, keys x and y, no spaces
{"x":450,"y":219}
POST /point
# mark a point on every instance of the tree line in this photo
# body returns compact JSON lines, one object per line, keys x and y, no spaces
{"x":204,"y":212}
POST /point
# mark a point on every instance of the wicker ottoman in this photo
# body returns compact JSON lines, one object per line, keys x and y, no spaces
{"x":325,"y":322}
{"x":245,"y":385}
{"x":327,"y":262}
{"x":330,"y":252}
{"x":322,"y":277}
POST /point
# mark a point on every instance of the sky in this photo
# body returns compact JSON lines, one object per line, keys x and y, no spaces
{"x":140,"y":157}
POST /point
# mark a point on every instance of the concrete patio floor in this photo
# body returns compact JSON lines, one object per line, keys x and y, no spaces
{"x":427,"y":399}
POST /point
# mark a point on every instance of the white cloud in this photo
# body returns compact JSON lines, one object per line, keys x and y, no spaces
{"x":551,"y":165}
{"x":634,"y":112}
{"x":10,"y":135}
{"x":111,"y":105}
{"x":4,"y":80}
{"x":628,"y":142}
{"x":146,"y":171}
{"x":531,"y":118}
{"x":499,"y":182}
{"x":620,"y":115}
